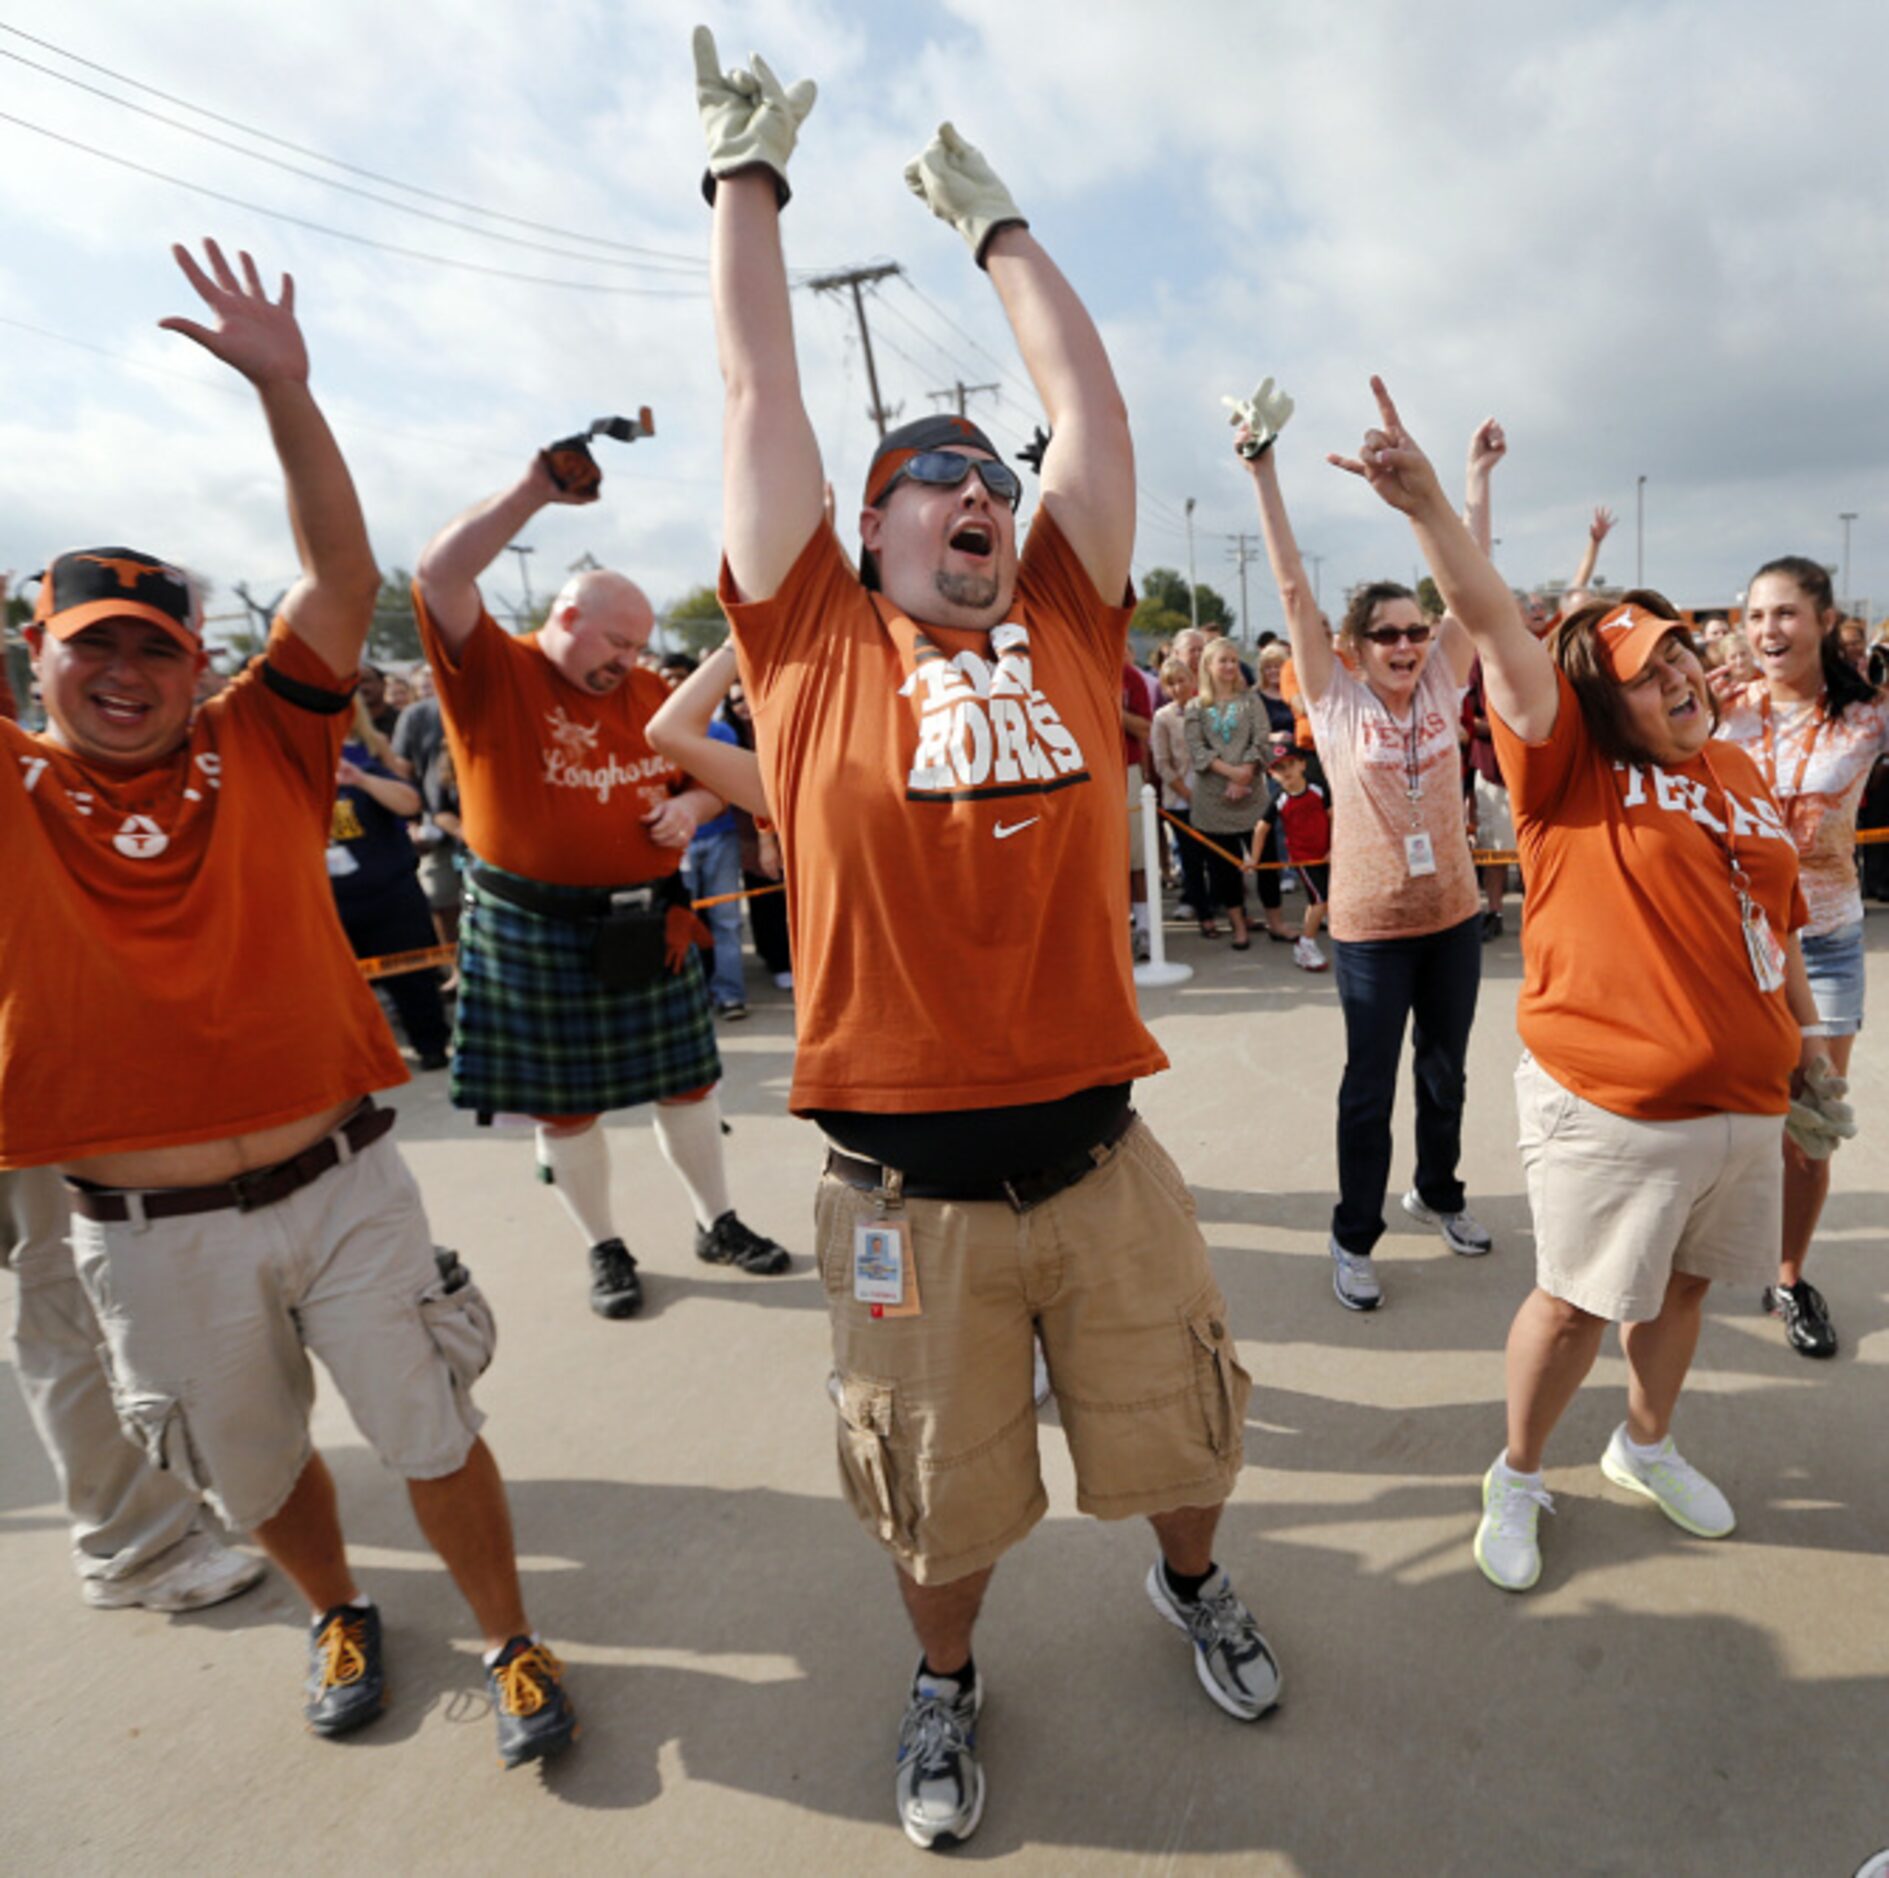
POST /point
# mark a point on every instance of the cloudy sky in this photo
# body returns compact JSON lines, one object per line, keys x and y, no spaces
{"x":1652,"y":238}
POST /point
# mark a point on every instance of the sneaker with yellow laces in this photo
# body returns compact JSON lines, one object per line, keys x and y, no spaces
{"x":535,"y":1716}
{"x":347,"y":1687}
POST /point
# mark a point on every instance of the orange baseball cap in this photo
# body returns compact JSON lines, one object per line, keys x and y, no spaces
{"x":1627,"y":637}
{"x":87,"y":585}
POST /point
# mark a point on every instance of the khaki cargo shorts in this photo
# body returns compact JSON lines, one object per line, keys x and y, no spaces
{"x":937,"y":1428}
{"x":209,"y":1321}
{"x":1620,"y":1205}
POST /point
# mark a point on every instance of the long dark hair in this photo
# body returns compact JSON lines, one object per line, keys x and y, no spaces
{"x":1843,"y":684}
{"x":1576,"y":647}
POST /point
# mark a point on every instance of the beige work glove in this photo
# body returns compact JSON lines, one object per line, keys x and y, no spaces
{"x":1264,"y":416}
{"x":951,"y":177}
{"x":1819,"y":1120}
{"x":748,"y":118}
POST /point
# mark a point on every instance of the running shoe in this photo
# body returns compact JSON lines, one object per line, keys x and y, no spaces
{"x":1354,"y":1280}
{"x":1461,"y":1231}
{"x":729,"y":1242}
{"x":196,"y":1572}
{"x":1507,"y":1547}
{"x":940,"y":1786}
{"x":1807,"y":1325}
{"x":615,"y":1289}
{"x":535,"y":1717}
{"x":346,"y":1685}
{"x":1672,"y":1483}
{"x":1234,"y":1662}
{"x":1308,"y":958}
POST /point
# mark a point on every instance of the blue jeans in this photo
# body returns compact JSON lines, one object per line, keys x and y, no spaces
{"x":713,"y":866}
{"x":1381,"y":983}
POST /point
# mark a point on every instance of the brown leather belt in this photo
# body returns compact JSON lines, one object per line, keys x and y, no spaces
{"x":261,"y":1186}
{"x":1020,"y":1194}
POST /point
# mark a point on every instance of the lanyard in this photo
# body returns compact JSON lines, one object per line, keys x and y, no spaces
{"x":1809,"y":750}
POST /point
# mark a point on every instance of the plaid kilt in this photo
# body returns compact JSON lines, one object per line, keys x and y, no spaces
{"x":536,"y":1034}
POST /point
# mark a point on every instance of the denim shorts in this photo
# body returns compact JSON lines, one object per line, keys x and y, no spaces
{"x":1834,"y":964}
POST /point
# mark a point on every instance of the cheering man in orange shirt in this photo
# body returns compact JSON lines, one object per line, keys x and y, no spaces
{"x":235,"y":1201}
{"x":941,"y":736}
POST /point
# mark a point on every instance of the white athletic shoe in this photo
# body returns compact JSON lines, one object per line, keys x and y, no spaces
{"x":1307,"y":957}
{"x":1672,"y":1483}
{"x":1353,"y":1279}
{"x":1507,"y":1548}
{"x":783,"y":981}
{"x":1461,"y":1232}
{"x":196,"y":1572}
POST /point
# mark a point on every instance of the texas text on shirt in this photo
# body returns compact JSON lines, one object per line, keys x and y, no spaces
{"x":189,"y":900}
{"x":1640,"y":995}
{"x":512,"y":722}
{"x":946,"y":797}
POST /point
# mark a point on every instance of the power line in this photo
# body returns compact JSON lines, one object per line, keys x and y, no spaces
{"x":353,"y":169}
{"x":364,"y":241}
{"x":693,"y":268}
{"x":853,"y":278}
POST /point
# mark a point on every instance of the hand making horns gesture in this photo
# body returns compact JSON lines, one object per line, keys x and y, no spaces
{"x":1389,"y":460}
{"x":253,"y":334}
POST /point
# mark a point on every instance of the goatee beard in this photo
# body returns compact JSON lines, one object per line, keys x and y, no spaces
{"x":973,"y":591}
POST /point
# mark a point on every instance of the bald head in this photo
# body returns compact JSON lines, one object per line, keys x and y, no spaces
{"x":598,"y":623}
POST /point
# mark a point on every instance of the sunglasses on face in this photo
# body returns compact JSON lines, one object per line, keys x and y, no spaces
{"x":1389,"y":635}
{"x":945,"y":469}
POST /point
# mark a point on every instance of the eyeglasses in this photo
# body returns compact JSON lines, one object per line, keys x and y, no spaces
{"x":945,"y":469}
{"x":1389,"y":635}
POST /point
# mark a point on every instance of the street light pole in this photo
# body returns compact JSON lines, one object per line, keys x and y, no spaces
{"x":1193,"y":583}
{"x":1639,"y":544}
{"x":1846,"y":517}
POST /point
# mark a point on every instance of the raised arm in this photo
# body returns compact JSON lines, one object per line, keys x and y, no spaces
{"x":1089,"y":468}
{"x":1258,"y":421}
{"x":332,"y":605}
{"x":680,"y":731}
{"x":453,"y":560}
{"x":1487,"y":447}
{"x":772,"y":481}
{"x":1597,"y":531}
{"x":1517,"y":671}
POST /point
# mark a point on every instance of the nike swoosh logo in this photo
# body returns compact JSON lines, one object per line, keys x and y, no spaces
{"x":1004,"y":830}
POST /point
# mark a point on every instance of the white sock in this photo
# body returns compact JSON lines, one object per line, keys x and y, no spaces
{"x":689,"y":1134}
{"x":1515,"y":1473}
{"x":580,"y":1176}
{"x":489,"y":1657}
{"x":1644,"y":1454}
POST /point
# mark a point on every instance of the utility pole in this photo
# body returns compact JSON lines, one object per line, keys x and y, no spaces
{"x":963,"y":393}
{"x":524,"y":573}
{"x":853,"y":278}
{"x":1639,"y":545}
{"x":1242,"y":553}
{"x":1193,"y":580}
{"x":1846,"y":517}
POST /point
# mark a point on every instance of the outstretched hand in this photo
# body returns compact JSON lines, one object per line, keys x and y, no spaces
{"x":1258,"y":420}
{"x":1389,"y":460}
{"x":1601,"y":526}
{"x":748,"y":116}
{"x":1487,"y":447}
{"x":953,"y":179}
{"x":253,"y":334}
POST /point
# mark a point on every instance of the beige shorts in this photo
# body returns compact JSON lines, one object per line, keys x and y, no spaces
{"x":937,"y":1432}
{"x":1495,"y":823}
{"x":209,"y":1320}
{"x":1620,"y":1205}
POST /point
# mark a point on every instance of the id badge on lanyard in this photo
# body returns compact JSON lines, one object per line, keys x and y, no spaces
{"x":1768,"y":958}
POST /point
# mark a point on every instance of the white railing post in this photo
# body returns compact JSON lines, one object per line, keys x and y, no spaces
{"x":1157,"y":971}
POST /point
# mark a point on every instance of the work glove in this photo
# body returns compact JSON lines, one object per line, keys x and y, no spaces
{"x":1820,"y":1121}
{"x":951,"y":177}
{"x":748,"y":118}
{"x":1264,"y":414}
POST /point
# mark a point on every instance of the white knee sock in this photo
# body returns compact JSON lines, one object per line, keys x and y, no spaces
{"x":689,"y":1134}
{"x":580,"y":1175}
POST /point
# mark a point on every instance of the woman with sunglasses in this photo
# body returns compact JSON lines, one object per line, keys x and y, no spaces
{"x":1404,"y":909}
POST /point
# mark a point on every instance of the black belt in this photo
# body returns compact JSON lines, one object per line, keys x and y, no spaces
{"x":1021,"y":1193}
{"x":261,"y":1186}
{"x":572,"y":904}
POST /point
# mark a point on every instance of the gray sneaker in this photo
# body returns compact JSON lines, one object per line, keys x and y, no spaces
{"x":1235,"y":1664}
{"x":1462,"y":1232}
{"x":940,"y":1785}
{"x":1354,"y":1280}
{"x":196,"y":1572}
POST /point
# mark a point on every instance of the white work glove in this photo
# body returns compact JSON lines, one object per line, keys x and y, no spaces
{"x":1820,"y":1121}
{"x":951,"y":177}
{"x":747,"y":116}
{"x":1264,"y":414}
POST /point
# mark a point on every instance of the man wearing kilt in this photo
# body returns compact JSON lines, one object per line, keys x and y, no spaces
{"x":580,"y":989}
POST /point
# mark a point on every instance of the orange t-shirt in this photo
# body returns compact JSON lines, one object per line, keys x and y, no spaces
{"x":1639,"y":994}
{"x":553,"y":781}
{"x":950,"y":804}
{"x":175,"y":969}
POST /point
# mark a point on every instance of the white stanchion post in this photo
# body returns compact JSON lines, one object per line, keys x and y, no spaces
{"x":1157,"y":971}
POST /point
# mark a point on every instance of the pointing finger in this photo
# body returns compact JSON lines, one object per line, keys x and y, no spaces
{"x":1386,"y":408}
{"x":1350,"y":465}
{"x":707,"y":60}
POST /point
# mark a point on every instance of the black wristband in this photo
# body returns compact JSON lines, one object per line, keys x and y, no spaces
{"x":782,"y":194}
